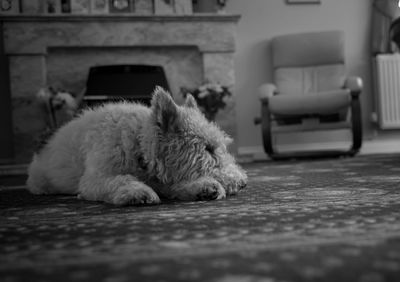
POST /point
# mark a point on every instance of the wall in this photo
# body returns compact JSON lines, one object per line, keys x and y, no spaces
{"x":263,"y":19}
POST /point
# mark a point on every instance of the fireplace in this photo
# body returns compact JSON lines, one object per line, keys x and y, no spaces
{"x":68,"y":67}
{"x":132,"y":83}
{"x":59,"y":51}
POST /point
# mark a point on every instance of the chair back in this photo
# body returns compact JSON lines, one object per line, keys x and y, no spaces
{"x":308,"y":62}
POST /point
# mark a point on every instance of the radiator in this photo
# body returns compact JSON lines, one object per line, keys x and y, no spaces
{"x":387,"y":75}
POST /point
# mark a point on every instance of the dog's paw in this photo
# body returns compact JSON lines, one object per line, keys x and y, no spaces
{"x":135,"y":195}
{"x":232,"y":179}
{"x":211,"y":190}
{"x":202,"y":189}
{"x":233,"y":187}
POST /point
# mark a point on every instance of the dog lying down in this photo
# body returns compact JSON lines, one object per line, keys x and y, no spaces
{"x":129,"y":154}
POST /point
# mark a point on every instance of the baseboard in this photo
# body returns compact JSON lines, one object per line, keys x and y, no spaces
{"x":369,"y":147}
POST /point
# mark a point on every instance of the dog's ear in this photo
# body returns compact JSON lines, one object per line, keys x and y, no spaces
{"x":190,"y":102}
{"x":228,"y":140}
{"x":165,"y":110}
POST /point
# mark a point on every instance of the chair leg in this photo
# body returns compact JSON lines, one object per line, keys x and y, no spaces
{"x":266,"y":130}
{"x":356,"y":124}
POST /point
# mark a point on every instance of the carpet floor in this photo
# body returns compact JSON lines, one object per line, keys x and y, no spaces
{"x":317,"y":220}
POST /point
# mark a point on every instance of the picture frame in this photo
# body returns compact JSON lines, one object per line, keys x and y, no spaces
{"x":99,"y":7}
{"x":80,"y":6}
{"x":290,"y":2}
{"x":66,"y":6}
{"x":164,"y":7}
{"x":31,"y":7}
{"x":52,"y":7}
{"x":144,"y":7}
{"x":183,"y":7}
{"x":9,"y":7}
{"x":122,"y":6}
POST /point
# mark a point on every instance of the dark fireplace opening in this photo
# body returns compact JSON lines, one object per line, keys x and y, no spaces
{"x":123,"y":82}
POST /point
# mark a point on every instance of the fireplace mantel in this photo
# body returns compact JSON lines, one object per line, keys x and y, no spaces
{"x":31,"y":43}
{"x":211,"y":33}
{"x":205,"y":17}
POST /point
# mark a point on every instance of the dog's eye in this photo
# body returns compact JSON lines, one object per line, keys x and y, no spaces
{"x":210,"y":149}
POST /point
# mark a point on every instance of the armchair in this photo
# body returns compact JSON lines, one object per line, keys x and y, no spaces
{"x":394,"y":32}
{"x":310,"y":92}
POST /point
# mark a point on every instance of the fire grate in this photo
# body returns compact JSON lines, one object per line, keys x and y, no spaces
{"x":123,"y":82}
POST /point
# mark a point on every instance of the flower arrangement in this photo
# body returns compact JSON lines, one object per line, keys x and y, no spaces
{"x":210,"y":97}
{"x":59,"y":106}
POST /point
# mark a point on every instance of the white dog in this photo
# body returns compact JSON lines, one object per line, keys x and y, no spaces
{"x":130,"y":154}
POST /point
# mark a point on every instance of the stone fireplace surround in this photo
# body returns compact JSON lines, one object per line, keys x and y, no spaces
{"x":58,"y":50}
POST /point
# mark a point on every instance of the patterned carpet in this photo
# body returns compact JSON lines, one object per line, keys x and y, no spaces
{"x":320,"y":220}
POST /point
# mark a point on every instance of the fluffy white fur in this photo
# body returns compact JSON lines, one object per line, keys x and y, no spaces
{"x":128,"y":153}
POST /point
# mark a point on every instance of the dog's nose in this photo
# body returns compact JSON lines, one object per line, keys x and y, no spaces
{"x":242,"y":184}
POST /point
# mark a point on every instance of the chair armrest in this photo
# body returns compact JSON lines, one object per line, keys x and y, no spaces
{"x":355,"y":84}
{"x":266,"y":91}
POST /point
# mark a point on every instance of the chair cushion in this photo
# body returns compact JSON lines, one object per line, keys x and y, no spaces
{"x":300,"y":81}
{"x":307,"y":49}
{"x":321,"y":103}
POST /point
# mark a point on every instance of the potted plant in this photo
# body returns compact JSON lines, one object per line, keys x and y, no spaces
{"x":210,"y":97}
